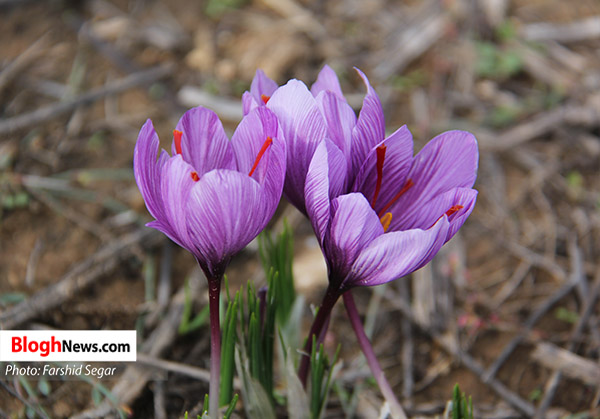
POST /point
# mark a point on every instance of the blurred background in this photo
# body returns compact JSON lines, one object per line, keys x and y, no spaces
{"x":509,"y":309}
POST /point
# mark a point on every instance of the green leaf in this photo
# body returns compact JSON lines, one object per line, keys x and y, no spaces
{"x":566,"y":315}
{"x":96,"y":396}
{"x":231,"y":407}
{"x":495,"y":61}
{"x":205,"y":405}
{"x":228,"y":350}
{"x":535,"y":395}
{"x":506,"y":31}
{"x":321,"y":373}
{"x":461,"y":407}
{"x":10,"y":298}
{"x":44,"y":386}
{"x":149,"y":272}
{"x":277,"y":254}
{"x":188,"y":324}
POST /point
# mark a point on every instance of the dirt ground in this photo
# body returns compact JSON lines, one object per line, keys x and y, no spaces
{"x":509,"y":309}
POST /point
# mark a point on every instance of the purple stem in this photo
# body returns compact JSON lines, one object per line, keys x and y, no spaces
{"x":318,"y":329}
{"x":395,"y":408}
{"x":214,"y":291}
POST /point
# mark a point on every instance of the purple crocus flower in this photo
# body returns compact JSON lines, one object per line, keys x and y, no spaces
{"x":378,"y":212}
{"x":401,"y":209}
{"x":399,"y":214}
{"x":212,"y":196}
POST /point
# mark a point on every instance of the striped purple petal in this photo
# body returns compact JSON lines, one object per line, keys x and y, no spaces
{"x":204,"y":143}
{"x":303,"y":127}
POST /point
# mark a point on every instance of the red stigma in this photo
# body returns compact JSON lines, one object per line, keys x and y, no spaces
{"x":380,"y":159}
{"x":195,"y":176}
{"x":177,"y":138}
{"x":453,"y":209}
{"x":262,"y":151}
{"x":409,"y":184}
{"x":265,"y":98}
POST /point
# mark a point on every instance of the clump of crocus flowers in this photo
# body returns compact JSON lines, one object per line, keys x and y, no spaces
{"x":378,"y":211}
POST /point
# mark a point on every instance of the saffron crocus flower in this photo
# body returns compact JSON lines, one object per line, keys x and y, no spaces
{"x":355,"y":184}
{"x":399,"y":214}
{"x":212,"y":196}
{"x":307,"y":118}
{"x":402,"y":211}
{"x":378,"y":212}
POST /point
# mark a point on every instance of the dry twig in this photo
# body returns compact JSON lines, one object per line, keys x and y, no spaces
{"x":581,"y":30}
{"x":563,"y":360}
{"x":567,"y":363}
{"x":13,"y":69}
{"x":49,"y":112}
{"x":531,"y":321}
{"x":411,"y":41}
{"x":452,"y":348}
{"x":80,"y":277}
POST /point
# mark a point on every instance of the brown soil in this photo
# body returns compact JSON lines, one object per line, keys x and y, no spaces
{"x":536,"y":225}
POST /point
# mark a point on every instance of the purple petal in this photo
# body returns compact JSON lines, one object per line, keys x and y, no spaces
{"x":448,"y":161}
{"x":248,"y":103}
{"x":327,"y":81}
{"x":227,"y":209}
{"x":303,"y":128}
{"x":466,"y":198}
{"x":396,"y":254}
{"x":167,"y":231}
{"x":428,"y":214}
{"x":248,"y":143}
{"x":325,"y":180}
{"x":370,"y":127}
{"x":397,"y":163}
{"x":176,"y":184}
{"x":204,"y":143}
{"x":353,"y":226}
{"x":273,"y":181}
{"x":147,"y":170}
{"x":262,"y":86}
{"x":340,"y":120}
{"x":249,"y":138}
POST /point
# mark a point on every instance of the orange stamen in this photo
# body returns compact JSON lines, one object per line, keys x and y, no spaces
{"x":262,"y":151}
{"x":265,"y":98}
{"x":195,"y":176}
{"x":380,"y":159}
{"x":409,"y":184}
{"x":177,"y":138}
{"x":386,"y":220}
{"x":453,"y":209}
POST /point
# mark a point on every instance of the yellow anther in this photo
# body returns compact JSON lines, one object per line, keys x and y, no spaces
{"x":386,"y":220}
